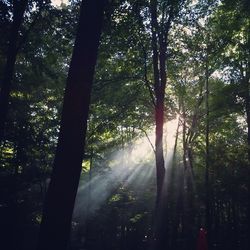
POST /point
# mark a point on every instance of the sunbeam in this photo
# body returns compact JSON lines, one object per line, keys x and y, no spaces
{"x":131,"y":165}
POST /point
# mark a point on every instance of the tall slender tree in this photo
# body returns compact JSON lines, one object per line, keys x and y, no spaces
{"x":159,"y":47}
{"x":60,"y":198}
{"x":162,"y":16}
{"x":18,"y":13}
{"x":207,"y":182}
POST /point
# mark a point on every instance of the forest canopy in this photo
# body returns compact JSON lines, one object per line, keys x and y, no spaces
{"x":125,"y":125}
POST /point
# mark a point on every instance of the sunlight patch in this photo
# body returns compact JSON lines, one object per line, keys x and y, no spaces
{"x":58,"y":3}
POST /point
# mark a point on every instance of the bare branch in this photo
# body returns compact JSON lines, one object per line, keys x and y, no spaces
{"x":151,"y":144}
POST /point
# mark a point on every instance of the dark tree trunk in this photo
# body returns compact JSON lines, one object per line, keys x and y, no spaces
{"x":60,"y":198}
{"x":159,"y":105}
{"x":184,"y":130}
{"x":207,"y":181}
{"x":248,"y":117}
{"x":18,"y":12}
{"x":247,"y":107}
{"x":160,"y":169}
{"x":176,"y":138}
{"x":160,"y":31}
{"x":245,"y":78}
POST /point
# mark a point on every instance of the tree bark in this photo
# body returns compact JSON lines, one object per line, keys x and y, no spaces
{"x":184,"y":131}
{"x":18,"y":13}
{"x":159,"y":90}
{"x":159,"y":121}
{"x":247,"y":107}
{"x":160,"y":31}
{"x":207,"y":184}
{"x":59,"y":203}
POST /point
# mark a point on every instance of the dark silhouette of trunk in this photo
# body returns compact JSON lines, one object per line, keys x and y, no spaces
{"x":207,"y":184}
{"x":190,"y":157}
{"x":176,"y":138}
{"x":247,"y":107}
{"x":60,"y":198}
{"x":8,"y":227}
{"x":18,"y":13}
{"x":159,"y":121}
{"x":159,"y":91}
{"x":184,"y":131}
{"x":160,"y":31}
{"x":248,"y":116}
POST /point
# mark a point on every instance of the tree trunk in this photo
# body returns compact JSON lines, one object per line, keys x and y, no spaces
{"x":176,"y":138}
{"x":159,"y":158}
{"x":207,"y":184}
{"x":60,"y":198}
{"x":247,"y":107}
{"x":159,"y":106}
{"x":184,"y":130}
{"x":248,"y":117}
{"x":159,"y":48}
{"x":18,"y":12}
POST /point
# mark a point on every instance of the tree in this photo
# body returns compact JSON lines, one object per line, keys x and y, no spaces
{"x":18,"y":13}
{"x":160,"y":29}
{"x":59,"y":203}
